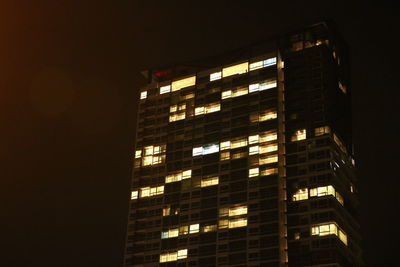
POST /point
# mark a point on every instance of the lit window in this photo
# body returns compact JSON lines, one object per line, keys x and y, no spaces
{"x":254,"y":139}
{"x":143,"y":95}
{"x":299,"y":135}
{"x":158,"y":149}
{"x":213,"y":108}
{"x":236,"y":69}
{"x":158,"y":159}
{"x":144,"y":191}
{"x":211,"y":148}
{"x":239,"y":143}
{"x":138,"y":154}
{"x":215,"y":76}
{"x":343,"y":237}
{"x":223,"y":212}
{"x":329,"y":229}
{"x":237,"y":222}
{"x":225,"y":155}
{"x":322,"y":130}
{"x":173,"y":232}
{"x":147,"y":160}
{"x":167,"y":210}
{"x":225,"y":145}
{"x":165,"y":89}
{"x":264,"y":85}
{"x":151,"y":191}
{"x":226,"y":94}
{"x":194,"y":228}
{"x":296,"y":236}
{"x":322,"y":191}
{"x":238,"y":155}
{"x":269,"y":171}
{"x":209,"y":228}
{"x":182,"y":254}
{"x":173,"y":256}
{"x":254,"y":172}
{"x":177,"y":116}
{"x":189,"y":96}
{"x":197,"y":151}
{"x":134,"y":194}
{"x":301,"y":194}
{"x":267,"y":115}
{"x":269,"y":62}
{"x":268,"y":148}
{"x":351,"y":188}
{"x":342,"y":88}
{"x":240,"y":91}
{"x":237,"y":211}
{"x":184,"y":230}
{"x":173,"y":108}
{"x":199,"y":111}
{"x":209,"y":181}
{"x":268,"y":159}
{"x":179,"y":84}
{"x":256,"y":65}
{"x":178,"y":176}
{"x":263,"y":63}
{"x":339,"y":198}
{"x":253,"y":150}
{"x":164,"y":234}
{"x":223,"y":224}
{"x":148,"y":150}
{"x":266,"y":137}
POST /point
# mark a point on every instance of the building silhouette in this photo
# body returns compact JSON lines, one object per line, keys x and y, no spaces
{"x":246,"y":159}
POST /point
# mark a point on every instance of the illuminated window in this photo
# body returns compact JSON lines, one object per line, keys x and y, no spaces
{"x":256,"y":65}
{"x":296,"y":236}
{"x":223,"y":224}
{"x":236,"y":69}
{"x":184,"y":230}
{"x":238,"y":155}
{"x":299,"y":135}
{"x":266,"y":137}
{"x":182,"y":254}
{"x":329,"y":229}
{"x":159,"y":149}
{"x":194,"y":228}
{"x":225,"y":155}
{"x":148,"y":150}
{"x":301,"y":194}
{"x":226,"y":94}
{"x":267,"y":115}
{"x":262,"y":63}
{"x":235,"y":92}
{"x":179,"y":84}
{"x":199,"y":111}
{"x":237,"y":211}
{"x":173,"y":108}
{"x":322,"y":130}
{"x":143,"y":95}
{"x":322,"y":191}
{"x":351,"y":188}
{"x":342,"y":88}
{"x":170,"y":233}
{"x":197,"y":151}
{"x":282,"y":64}
{"x":177,"y":116}
{"x":253,"y":150}
{"x":165,"y":89}
{"x":254,"y":172}
{"x":215,"y":76}
{"x":167,"y":210}
{"x":187,"y":174}
{"x":212,"y":108}
{"x":254,"y":139}
{"x":145,"y":192}
{"x":234,"y":223}
{"x":209,"y":181}
{"x":339,"y":143}
{"x":268,"y":159}
{"x":173,"y":256}
{"x":223,"y":212}
{"x":134,"y":194}
{"x":239,"y":143}
{"x":138,"y":154}
{"x":268,"y":148}
{"x":151,"y":191}
{"x":209,"y":228}
{"x":158,"y":159}
{"x":178,"y":176}
{"x":264,"y":85}
{"x":225,"y":145}
{"x":147,"y":160}
{"x":269,"y":171}
{"x":342,"y":236}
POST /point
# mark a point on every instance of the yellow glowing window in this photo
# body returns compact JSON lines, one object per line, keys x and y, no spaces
{"x":189,"y":96}
{"x":254,"y":172}
{"x":322,"y":191}
{"x":143,"y":95}
{"x":236,"y":69}
{"x":134,"y":194}
{"x":266,"y":137}
{"x":177,"y":116}
{"x":225,"y":145}
{"x":194,"y":228}
{"x":253,"y":150}
{"x":301,"y":194}
{"x":237,"y":211}
{"x":184,"y":230}
{"x":215,"y":76}
{"x":339,"y":143}
{"x":299,"y":135}
{"x":158,"y":159}
{"x":282,"y":64}
{"x":173,"y":108}
{"x":239,"y":91}
{"x":241,"y":222}
{"x":262,"y":63}
{"x":268,"y":148}
{"x":225,"y":155}
{"x":343,"y":236}
{"x":182,"y":254}
{"x":165,"y":89}
{"x":167,"y":210}
{"x":267,"y":115}
{"x":223,"y":212}
{"x":199,"y":110}
{"x":226,"y":94}
{"x":213,"y":108}
{"x":209,"y":228}
{"x":261,"y":86}
{"x":187,"y":174}
{"x":147,"y":160}
{"x":268,"y":159}
{"x":322,"y":130}
{"x":159,"y":149}
{"x":138,"y":154}
{"x":239,"y":155}
{"x":254,"y":139}
{"x":239,"y":143}
{"x":209,"y":181}
{"x":145,"y":192}
{"x":223,"y":224}
{"x":173,"y":256}
{"x":148,"y":150}
{"x":269,"y":171}
{"x":179,"y":84}
{"x":173,"y":232}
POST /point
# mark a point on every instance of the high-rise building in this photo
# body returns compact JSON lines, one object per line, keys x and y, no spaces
{"x":247,"y":160}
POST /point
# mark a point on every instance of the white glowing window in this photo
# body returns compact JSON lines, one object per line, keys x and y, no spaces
{"x":215,"y":76}
{"x":254,"y":172}
{"x":266,"y":137}
{"x":197,"y":151}
{"x":236,"y":69}
{"x":239,"y":143}
{"x":194,"y":228}
{"x":209,"y":181}
{"x":134,"y":194}
{"x":165,"y":89}
{"x":237,"y":211}
{"x":241,"y":222}
{"x":143,"y":95}
{"x":299,"y":135}
{"x":269,"y":62}
{"x":322,"y":130}
{"x":269,"y":171}
{"x":267,"y":116}
{"x":209,"y":228}
{"x":223,"y":224}
{"x":226,"y":94}
{"x":164,"y":234}
{"x":267,"y":85}
{"x":138,"y":154}
{"x":301,"y":194}
{"x":179,"y":84}
{"x":256,"y":65}
{"x":268,"y":148}
{"x":254,"y":139}
{"x":253,"y":150}
{"x":225,"y":145}
{"x":268,"y":159}
{"x":253,"y":87}
{"x":182,"y":254}
{"x":225,"y":155}
{"x":322,"y":191}
{"x":211,"y":148}
{"x":199,"y":110}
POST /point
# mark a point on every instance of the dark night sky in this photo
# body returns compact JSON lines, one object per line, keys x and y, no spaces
{"x":69,"y":79}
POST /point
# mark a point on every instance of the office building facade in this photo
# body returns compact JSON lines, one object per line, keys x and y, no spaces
{"x":247,"y":160}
